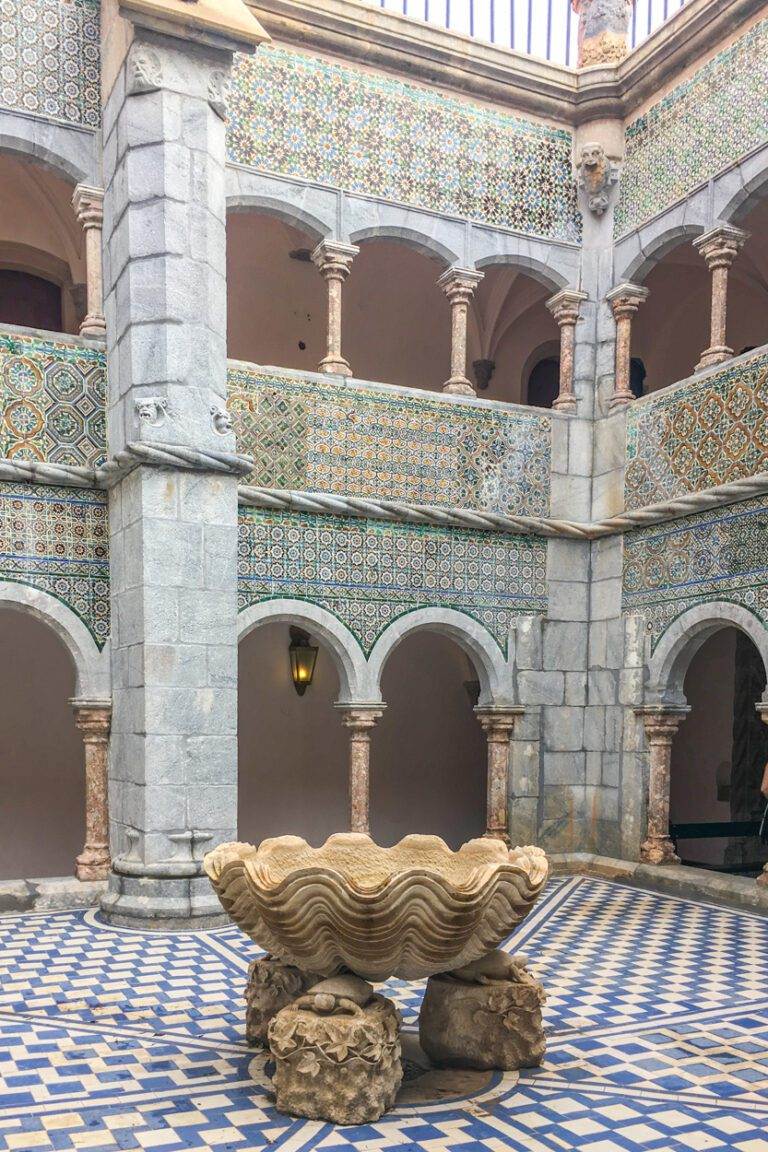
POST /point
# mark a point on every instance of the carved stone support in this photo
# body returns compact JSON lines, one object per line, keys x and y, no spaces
{"x":459,"y":285}
{"x":660,"y":725}
{"x":624,"y":301}
{"x":603,"y":31}
{"x":719,"y":247}
{"x":89,"y":208}
{"x":334,"y":260}
{"x":93,"y":718}
{"x":271,"y":986}
{"x":564,"y":306}
{"x":498,"y":725}
{"x":360,"y":720}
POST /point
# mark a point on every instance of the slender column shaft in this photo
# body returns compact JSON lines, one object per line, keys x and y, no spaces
{"x":89,"y":208}
{"x":360,"y":721}
{"x":720,"y":247}
{"x":459,"y":285}
{"x":625,"y":301}
{"x":660,"y":728}
{"x":762,"y":879}
{"x":564,"y":306}
{"x":498,"y":725}
{"x":93,"y":718}
{"x":334,"y":262}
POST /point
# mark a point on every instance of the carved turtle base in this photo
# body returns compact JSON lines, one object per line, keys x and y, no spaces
{"x":271,"y":985}
{"x":337,"y":1053}
{"x":486,"y":1015}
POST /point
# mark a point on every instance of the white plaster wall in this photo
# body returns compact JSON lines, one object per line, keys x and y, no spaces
{"x":42,"y":784}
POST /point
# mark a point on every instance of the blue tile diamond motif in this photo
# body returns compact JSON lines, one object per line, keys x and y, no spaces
{"x":657,"y":1022}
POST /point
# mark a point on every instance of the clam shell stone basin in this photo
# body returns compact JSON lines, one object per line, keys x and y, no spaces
{"x":409,"y":911}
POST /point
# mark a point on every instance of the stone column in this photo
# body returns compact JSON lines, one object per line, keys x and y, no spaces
{"x":498,"y":725}
{"x":360,"y":719}
{"x":334,"y":261}
{"x":89,"y":209}
{"x":93,"y":718}
{"x":625,"y":301}
{"x":660,"y":725}
{"x":762,"y":709}
{"x":603,"y":31}
{"x":459,"y":285}
{"x":564,"y":306}
{"x":719,"y":247}
{"x":173,"y":514}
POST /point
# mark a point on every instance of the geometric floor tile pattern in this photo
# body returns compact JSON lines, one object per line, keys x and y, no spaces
{"x":657,"y":1022}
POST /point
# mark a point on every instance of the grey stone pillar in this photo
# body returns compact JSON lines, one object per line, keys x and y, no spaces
{"x":173,"y":528}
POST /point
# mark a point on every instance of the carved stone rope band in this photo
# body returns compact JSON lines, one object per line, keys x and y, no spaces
{"x":177,"y":456}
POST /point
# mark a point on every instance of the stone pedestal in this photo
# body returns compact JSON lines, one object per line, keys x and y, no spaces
{"x":337,"y":1053}
{"x":272,"y":985}
{"x":486,"y":1015}
{"x":459,"y":285}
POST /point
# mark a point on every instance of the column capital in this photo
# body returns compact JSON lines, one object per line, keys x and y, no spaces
{"x":721,"y":245}
{"x":565,"y":305}
{"x":459,"y":284}
{"x":92,"y":717}
{"x":498,"y":723}
{"x":626,"y":298}
{"x":334,"y":259}
{"x":661,"y":723}
{"x":360,"y":717}
{"x":88,"y":203}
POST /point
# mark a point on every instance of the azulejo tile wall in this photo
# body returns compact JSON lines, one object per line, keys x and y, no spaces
{"x":57,"y":540}
{"x":380,"y":443}
{"x":698,"y":435}
{"x":300,"y":116}
{"x":717,"y":555}
{"x":50,"y":63}
{"x":52,"y":397}
{"x":697,"y":130}
{"x":368,"y":573}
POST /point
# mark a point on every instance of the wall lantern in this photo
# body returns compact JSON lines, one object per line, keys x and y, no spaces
{"x":303,"y":659}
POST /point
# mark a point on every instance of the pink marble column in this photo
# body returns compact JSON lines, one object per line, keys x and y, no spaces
{"x":603,"y":31}
{"x":762,"y":708}
{"x":720,"y":247}
{"x":660,"y":725}
{"x":498,"y":725}
{"x":459,"y":285}
{"x":334,"y":261}
{"x":564,"y":306}
{"x":89,"y":209}
{"x":93,"y":718}
{"x":624,"y":301}
{"x":360,"y":720}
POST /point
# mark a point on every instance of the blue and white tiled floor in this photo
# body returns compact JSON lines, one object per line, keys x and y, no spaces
{"x":657,"y":1018}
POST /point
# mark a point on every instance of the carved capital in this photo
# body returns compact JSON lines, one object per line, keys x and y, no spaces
{"x":498,"y":723}
{"x":459,"y":284}
{"x":334,"y":259}
{"x":88,"y":204}
{"x":360,"y":718}
{"x":625,"y":300}
{"x":661,"y":724}
{"x":565,"y":305}
{"x":93,"y":718}
{"x":721,"y":245}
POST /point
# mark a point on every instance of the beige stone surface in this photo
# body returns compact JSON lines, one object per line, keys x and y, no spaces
{"x":485,"y":1015}
{"x":337,"y":1053}
{"x":271,"y":986}
{"x":408,"y":911}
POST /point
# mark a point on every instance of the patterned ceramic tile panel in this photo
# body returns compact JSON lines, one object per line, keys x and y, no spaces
{"x":708,"y":432}
{"x":57,"y":540}
{"x":50,"y":59}
{"x":52,"y":397}
{"x":718,"y":555}
{"x":696,"y":131}
{"x":368,"y":573}
{"x":387,"y":445}
{"x":305,"y":117}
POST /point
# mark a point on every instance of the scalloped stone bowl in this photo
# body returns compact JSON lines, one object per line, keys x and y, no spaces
{"x":409,"y":911}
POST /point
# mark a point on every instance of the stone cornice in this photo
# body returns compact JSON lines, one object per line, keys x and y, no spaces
{"x":457,"y":63}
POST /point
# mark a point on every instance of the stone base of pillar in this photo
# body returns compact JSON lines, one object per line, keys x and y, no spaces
{"x":712,"y":356}
{"x":93,"y":864}
{"x":334,"y":367}
{"x":620,"y":400}
{"x":94,"y":326}
{"x":565,"y":403}
{"x":165,"y":904}
{"x":658,"y":852}
{"x":459,"y":386}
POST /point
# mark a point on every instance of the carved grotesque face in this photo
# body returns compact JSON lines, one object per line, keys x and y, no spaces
{"x":222,"y":421}
{"x":147,"y":410}
{"x":592,"y":155}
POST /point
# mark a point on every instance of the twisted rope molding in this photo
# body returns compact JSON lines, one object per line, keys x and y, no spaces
{"x":289,"y":500}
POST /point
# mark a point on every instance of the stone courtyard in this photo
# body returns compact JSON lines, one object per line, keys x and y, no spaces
{"x":656,"y":1020}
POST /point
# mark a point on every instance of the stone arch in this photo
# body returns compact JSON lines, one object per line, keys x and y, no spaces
{"x":66,"y":153}
{"x":419,"y":241}
{"x":92,"y":672}
{"x":537,"y":269}
{"x":292,"y":214}
{"x":655,"y":247}
{"x":493,"y":671}
{"x":731,"y":207}
{"x":684,"y":637}
{"x":347,"y":653}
